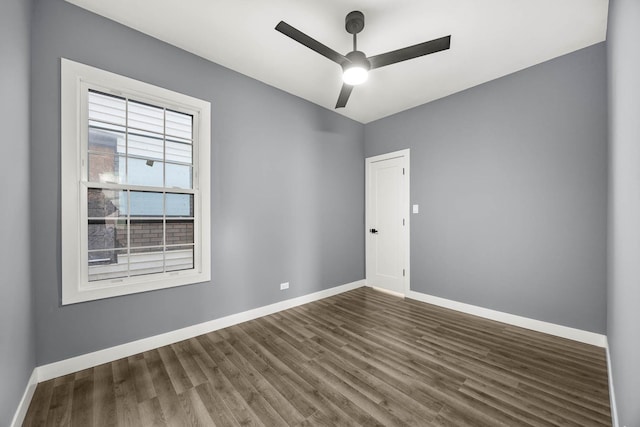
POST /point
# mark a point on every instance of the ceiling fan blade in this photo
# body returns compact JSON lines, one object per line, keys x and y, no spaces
{"x":345,"y":92}
{"x":312,"y":44}
{"x":410,"y":52}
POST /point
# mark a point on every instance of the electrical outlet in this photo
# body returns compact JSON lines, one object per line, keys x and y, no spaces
{"x":284,"y":286}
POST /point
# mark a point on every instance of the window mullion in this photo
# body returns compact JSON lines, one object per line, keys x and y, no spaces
{"x":128,"y":233}
{"x":164,"y":195}
{"x":126,"y":163}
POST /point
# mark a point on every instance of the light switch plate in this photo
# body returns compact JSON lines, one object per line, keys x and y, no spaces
{"x":415,"y":208}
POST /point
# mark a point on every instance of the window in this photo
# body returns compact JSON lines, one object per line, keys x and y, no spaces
{"x":135,"y":186}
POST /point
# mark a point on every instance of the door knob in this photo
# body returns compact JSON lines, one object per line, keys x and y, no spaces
{"x":373,"y":231}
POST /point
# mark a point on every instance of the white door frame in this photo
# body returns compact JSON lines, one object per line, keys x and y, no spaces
{"x":406,"y":238}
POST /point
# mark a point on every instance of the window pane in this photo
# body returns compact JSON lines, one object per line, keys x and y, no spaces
{"x":178,"y":176}
{"x":179,"y":205}
{"x":146,"y":261}
{"x":148,"y":146}
{"x":106,"y":203}
{"x":146,"y":203}
{"x":106,"y":168}
{"x":107,"y":108}
{"x":180,"y":125}
{"x":179,"y":258}
{"x":106,"y":140}
{"x":146,"y":117}
{"x":144,"y":232}
{"x":145,"y":172}
{"x":179,"y":152}
{"x":108,"y":264}
{"x":107,"y":234}
{"x":179,"y":232}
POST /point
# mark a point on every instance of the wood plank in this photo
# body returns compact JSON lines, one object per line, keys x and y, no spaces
{"x":39,"y":406}
{"x":197,"y":413}
{"x":177,"y":375}
{"x":104,"y":396}
{"x":172,"y":411}
{"x":185,"y":356}
{"x":151,"y":414}
{"x":82,"y":407}
{"x":142,"y":378}
{"x":60,"y":407}
{"x":218,"y":411}
{"x":125,"y":394}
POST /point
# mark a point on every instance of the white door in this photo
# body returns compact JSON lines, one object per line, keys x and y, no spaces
{"x":387,"y":222}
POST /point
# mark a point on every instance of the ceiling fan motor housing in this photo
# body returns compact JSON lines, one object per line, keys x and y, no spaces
{"x":354,"y":22}
{"x":357,"y":58}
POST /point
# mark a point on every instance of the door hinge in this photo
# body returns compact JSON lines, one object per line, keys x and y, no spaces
{"x":402,"y":221}
{"x":403,"y":272}
{"x":402,"y":171}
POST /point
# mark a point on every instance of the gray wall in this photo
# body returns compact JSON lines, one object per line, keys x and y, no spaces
{"x":623,"y":321}
{"x":17,"y":347}
{"x":287,"y":180}
{"x":511,"y":180}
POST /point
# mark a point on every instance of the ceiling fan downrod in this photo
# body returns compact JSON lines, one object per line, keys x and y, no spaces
{"x":354,"y":23}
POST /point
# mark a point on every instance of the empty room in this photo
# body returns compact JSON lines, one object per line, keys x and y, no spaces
{"x":339,"y":213}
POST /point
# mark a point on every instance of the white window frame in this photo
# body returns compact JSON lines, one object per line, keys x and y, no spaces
{"x":76,"y":81}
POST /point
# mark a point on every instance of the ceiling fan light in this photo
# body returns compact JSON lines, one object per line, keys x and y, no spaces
{"x":355,"y":75}
{"x":356,"y":70}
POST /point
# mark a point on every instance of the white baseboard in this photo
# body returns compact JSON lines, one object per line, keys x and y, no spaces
{"x":512,"y":319}
{"x":85,"y":361}
{"x":21,"y":412}
{"x":612,"y":394}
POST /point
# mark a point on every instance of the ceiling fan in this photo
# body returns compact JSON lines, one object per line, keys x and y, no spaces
{"x":355,"y":64}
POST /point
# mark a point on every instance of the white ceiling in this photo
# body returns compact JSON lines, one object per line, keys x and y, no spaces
{"x":489,"y":39}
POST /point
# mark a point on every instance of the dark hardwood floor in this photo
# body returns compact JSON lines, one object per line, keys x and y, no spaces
{"x":359,"y":358}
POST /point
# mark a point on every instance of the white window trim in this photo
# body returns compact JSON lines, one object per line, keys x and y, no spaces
{"x":76,"y":78}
